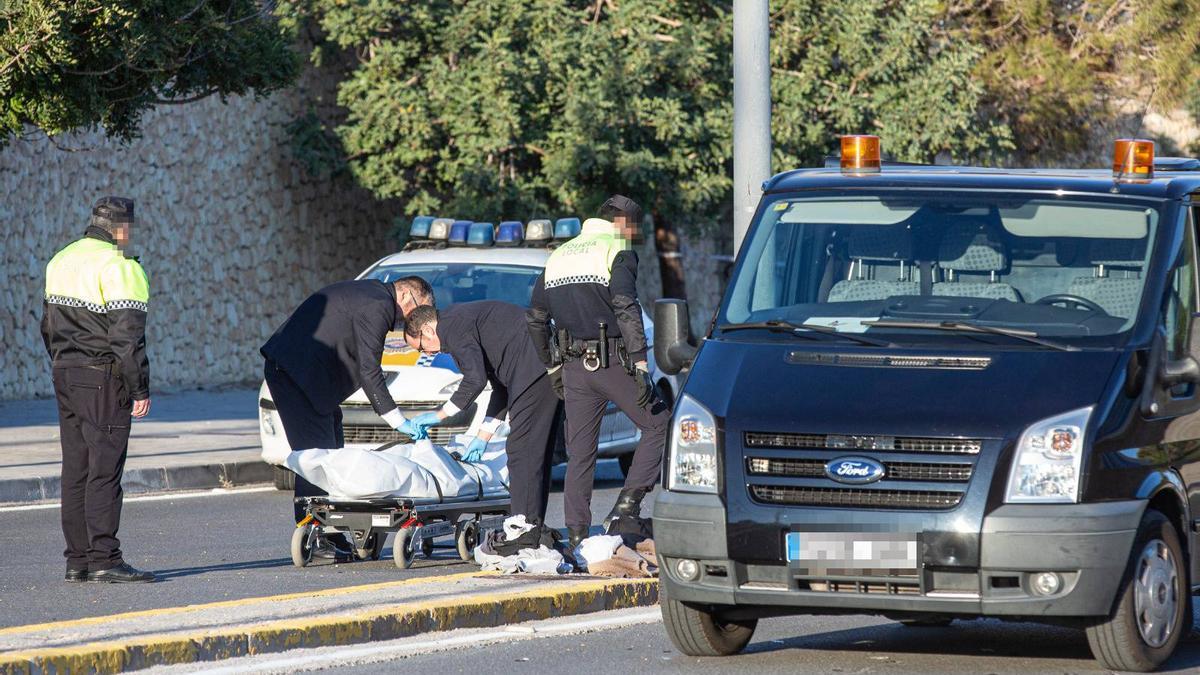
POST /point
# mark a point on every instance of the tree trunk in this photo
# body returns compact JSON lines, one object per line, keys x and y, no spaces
{"x":670,"y":260}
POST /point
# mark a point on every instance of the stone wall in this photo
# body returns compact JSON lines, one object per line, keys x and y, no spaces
{"x":231,"y":232}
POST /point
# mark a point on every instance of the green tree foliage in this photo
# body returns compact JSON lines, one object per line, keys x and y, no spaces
{"x":70,"y":64}
{"x":518,"y":108}
{"x":1054,"y":69}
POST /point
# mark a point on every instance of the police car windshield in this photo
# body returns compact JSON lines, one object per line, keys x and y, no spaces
{"x":1067,"y":267}
{"x":467,"y":282}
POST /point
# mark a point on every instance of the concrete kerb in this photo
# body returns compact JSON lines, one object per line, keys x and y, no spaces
{"x":136,"y":481}
{"x":386,"y":623}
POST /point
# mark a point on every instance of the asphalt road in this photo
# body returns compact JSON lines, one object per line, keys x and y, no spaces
{"x":841,"y":644}
{"x":204,"y":549}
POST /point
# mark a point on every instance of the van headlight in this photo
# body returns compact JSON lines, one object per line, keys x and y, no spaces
{"x":693,"y":466}
{"x":1049,"y":455}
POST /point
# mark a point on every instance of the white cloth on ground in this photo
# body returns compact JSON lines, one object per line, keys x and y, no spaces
{"x":596,"y":548}
{"x":515,"y":526}
{"x":540,"y":560}
{"x":418,"y":470}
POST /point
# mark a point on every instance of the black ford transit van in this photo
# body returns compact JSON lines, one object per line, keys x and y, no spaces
{"x":942,"y":392}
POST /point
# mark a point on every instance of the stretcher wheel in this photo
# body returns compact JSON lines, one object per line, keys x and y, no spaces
{"x":371,"y":549}
{"x":466,"y":535}
{"x":402,"y":548}
{"x":301,"y":551}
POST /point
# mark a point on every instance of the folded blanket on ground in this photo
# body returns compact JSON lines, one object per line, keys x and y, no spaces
{"x":625,"y":563}
{"x":418,"y":470}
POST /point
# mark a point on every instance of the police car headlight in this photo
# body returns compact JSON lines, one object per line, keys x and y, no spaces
{"x":693,"y":466}
{"x":268,"y":424}
{"x":1048,"y":460}
{"x":449,"y":389}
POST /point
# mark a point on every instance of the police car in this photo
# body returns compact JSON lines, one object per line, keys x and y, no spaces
{"x":463,"y":262}
{"x":936,"y":393}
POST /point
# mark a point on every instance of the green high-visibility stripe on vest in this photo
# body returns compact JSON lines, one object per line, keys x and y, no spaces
{"x":95,"y":275}
{"x":588,"y":258}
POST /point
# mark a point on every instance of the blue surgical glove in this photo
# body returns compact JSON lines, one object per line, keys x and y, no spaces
{"x":475,"y":450}
{"x":412,"y":430}
{"x":426,"y":420}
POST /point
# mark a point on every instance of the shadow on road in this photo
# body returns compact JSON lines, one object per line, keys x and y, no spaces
{"x":975,"y":638}
{"x":180,"y":572}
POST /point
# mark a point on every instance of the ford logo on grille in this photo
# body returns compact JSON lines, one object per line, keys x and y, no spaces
{"x":854,"y":470}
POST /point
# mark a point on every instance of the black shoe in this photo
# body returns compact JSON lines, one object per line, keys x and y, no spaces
{"x":629,"y":503}
{"x":328,"y":548}
{"x":121,"y":574}
{"x":577,"y":534}
{"x":76,"y":576}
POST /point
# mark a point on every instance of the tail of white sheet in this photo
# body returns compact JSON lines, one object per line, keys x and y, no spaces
{"x":419,"y":470}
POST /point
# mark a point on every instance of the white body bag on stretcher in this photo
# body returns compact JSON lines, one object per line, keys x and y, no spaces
{"x":421,"y":471}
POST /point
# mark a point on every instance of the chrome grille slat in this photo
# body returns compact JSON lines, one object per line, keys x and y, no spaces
{"x":896,"y":499}
{"x":965,"y":446}
{"x":815,"y":468}
{"x":364,"y":433}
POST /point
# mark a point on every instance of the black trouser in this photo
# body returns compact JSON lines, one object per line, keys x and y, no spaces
{"x":304,"y":427}
{"x":532,"y":417}
{"x":587,"y":394}
{"x":93,"y":420}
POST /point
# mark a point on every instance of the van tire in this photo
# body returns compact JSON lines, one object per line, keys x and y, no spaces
{"x":284,"y":478}
{"x":698,"y":631}
{"x":1116,"y":641}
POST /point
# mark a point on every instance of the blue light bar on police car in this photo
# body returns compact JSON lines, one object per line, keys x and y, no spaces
{"x":420,"y":227}
{"x":480,"y":234}
{"x":508,"y":233}
{"x":439,"y":230}
{"x":567,"y":228}
{"x":458,"y":231}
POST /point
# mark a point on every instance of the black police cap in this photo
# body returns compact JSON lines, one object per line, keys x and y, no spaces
{"x":109,"y":211}
{"x":620,"y":205}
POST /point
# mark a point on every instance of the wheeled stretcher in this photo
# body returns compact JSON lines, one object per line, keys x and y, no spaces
{"x":419,"y":491}
{"x":416,"y":523}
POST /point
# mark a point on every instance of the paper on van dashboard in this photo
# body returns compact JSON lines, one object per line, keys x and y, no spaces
{"x":844,"y":324}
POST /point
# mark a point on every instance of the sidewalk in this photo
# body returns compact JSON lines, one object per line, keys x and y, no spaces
{"x":191,"y":440}
{"x":341,"y":616}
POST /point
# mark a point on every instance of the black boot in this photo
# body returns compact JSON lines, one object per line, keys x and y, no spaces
{"x":577,"y":534}
{"x":629,"y":503}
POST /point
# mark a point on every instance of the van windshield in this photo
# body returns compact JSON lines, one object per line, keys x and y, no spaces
{"x":1037,"y":264}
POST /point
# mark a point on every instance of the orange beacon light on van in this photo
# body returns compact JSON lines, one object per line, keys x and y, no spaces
{"x":1133,"y":158}
{"x":860,"y":154}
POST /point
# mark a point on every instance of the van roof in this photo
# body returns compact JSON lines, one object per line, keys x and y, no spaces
{"x":1173,"y":179}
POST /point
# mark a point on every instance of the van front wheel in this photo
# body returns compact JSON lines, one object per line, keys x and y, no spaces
{"x":1149,"y":618}
{"x":702,"y":632}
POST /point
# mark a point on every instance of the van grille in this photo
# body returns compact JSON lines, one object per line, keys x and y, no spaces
{"x":371,"y":434}
{"x":966,"y":446}
{"x":815,"y":468}
{"x":888,"y":499}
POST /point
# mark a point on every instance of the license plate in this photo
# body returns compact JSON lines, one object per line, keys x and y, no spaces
{"x":850,"y":552}
{"x":381,"y":520}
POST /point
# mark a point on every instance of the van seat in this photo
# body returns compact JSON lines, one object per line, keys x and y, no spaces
{"x":877,"y":251}
{"x":1116,"y":283}
{"x":973,"y":250}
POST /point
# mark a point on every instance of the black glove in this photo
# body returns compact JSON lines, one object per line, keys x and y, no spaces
{"x":556,"y":382}
{"x":645,"y":388}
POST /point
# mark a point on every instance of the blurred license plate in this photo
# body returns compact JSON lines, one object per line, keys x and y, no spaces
{"x":848,"y":552}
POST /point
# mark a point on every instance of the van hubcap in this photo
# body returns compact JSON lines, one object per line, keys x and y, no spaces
{"x":1155,"y":593}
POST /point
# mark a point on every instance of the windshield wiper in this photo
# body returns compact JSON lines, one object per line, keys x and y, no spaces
{"x":795,"y":328}
{"x":968,"y":327}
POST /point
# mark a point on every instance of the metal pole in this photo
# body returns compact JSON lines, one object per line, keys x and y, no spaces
{"x":751,"y":110}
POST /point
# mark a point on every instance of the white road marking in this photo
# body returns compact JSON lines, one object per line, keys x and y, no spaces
{"x":402,"y":648}
{"x":160,"y":497}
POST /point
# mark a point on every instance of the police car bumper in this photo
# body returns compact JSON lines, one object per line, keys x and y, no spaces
{"x":1085,"y":547}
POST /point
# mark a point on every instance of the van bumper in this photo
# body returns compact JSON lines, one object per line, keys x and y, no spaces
{"x":1087,"y":545}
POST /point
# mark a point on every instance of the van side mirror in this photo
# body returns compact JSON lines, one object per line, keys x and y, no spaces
{"x":1179,"y":371}
{"x":673,"y":350}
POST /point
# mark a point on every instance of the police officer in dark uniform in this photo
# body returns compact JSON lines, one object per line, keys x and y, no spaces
{"x":589,"y":290}
{"x":331,"y":346}
{"x":94,"y":328}
{"x":490,"y":343}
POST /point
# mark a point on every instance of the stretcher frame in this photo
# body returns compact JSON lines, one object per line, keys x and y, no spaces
{"x":415,"y":522}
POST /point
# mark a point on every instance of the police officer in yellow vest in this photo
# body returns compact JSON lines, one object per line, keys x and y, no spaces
{"x":589,"y":290}
{"x":94,"y":327}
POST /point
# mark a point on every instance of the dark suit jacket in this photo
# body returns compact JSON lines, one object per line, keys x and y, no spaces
{"x":490,"y":342}
{"x":333,"y":343}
